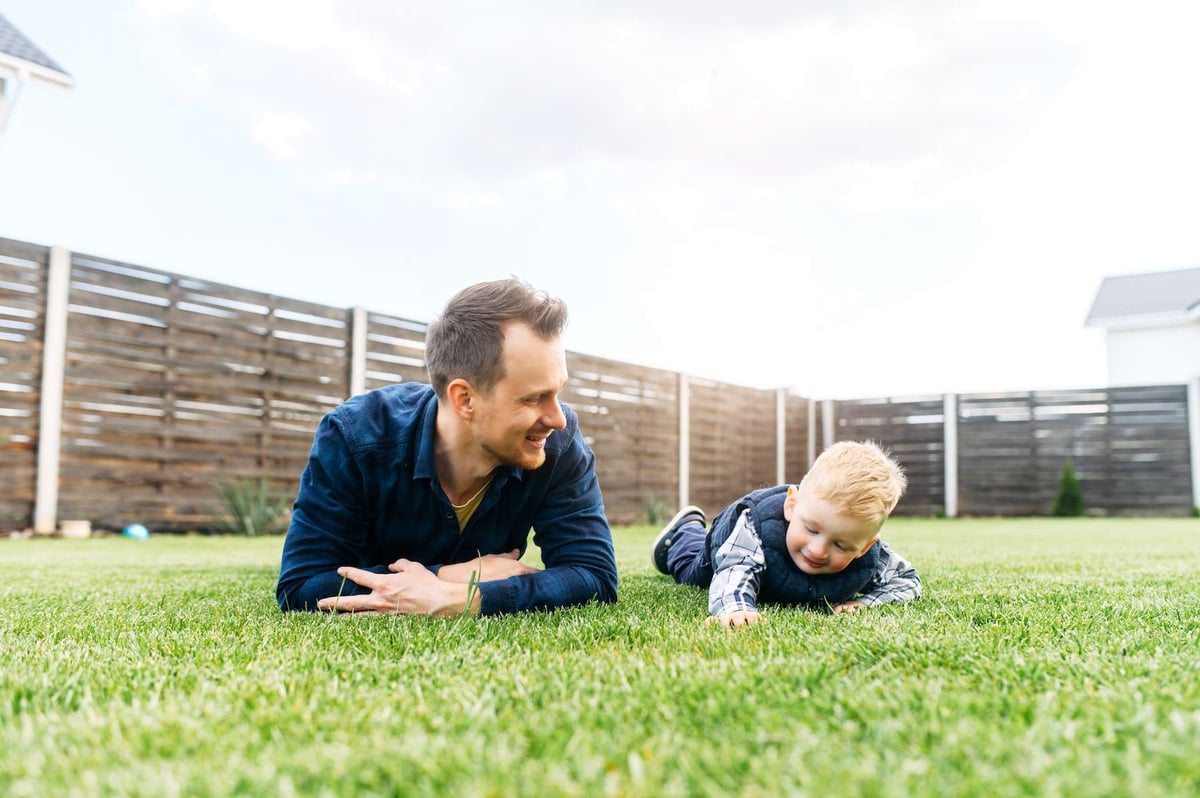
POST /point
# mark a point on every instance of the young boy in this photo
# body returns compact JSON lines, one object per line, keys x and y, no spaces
{"x":816,"y":543}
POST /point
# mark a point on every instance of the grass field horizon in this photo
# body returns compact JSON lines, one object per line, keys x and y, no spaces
{"x":1048,"y":657}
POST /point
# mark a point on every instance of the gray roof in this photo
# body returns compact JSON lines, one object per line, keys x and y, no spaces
{"x":1146,"y":294}
{"x":14,"y":43}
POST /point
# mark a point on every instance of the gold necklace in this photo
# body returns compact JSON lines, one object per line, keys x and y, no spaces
{"x":473,"y":498}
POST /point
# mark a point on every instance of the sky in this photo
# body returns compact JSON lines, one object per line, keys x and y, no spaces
{"x":847,"y":198}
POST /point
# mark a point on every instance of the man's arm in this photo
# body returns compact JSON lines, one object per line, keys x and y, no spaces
{"x":328,"y":527}
{"x":572,"y":532}
{"x":486,"y":568}
{"x":737,"y":570}
{"x":895,"y":580}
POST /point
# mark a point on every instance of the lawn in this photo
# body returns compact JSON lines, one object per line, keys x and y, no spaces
{"x":1048,"y":657}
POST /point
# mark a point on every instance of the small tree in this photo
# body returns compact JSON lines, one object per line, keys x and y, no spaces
{"x":1069,"y":500}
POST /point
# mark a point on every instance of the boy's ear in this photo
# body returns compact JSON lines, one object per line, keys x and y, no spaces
{"x":790,"y":502}
{"x":867,"y":547}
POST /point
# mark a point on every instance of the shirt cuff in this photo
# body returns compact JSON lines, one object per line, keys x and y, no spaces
{"x":733,"y":606}
{"x":497,"y":597}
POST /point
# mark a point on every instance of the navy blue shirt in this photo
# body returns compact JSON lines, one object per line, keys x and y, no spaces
{"x":369,"y":496}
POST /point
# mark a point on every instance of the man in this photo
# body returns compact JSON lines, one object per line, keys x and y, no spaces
{"x":419,"y":499}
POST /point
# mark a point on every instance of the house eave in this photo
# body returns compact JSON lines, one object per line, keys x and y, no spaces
{"x":11,"y":66}
{"x":1144,"y":321}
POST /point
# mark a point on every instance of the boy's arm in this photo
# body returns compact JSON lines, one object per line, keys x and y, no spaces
{"x":895,"y":580}
{"x":737,"y":569}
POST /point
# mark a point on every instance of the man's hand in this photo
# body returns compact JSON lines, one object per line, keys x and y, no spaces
{"x":738,"y":618}
{"x":848,"y":607}
{"x":490,"y":567}
{"x":412,"y":589}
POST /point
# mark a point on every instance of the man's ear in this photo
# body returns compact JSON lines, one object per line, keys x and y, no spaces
{"x":867,"y":547}
{"x":790,"y":502}
{"x":460,"y":396}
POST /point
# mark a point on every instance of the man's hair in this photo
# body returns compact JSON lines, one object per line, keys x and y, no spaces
{"x":860,"y":478}
{"x":467,"y":340}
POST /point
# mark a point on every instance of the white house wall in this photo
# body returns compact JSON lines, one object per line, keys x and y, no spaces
{"x":1155,"y":355}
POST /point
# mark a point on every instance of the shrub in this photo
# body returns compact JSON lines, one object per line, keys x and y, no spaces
{"x":1069,"y":500}
{"x":657,"y":510}
{"x":252,"y":507}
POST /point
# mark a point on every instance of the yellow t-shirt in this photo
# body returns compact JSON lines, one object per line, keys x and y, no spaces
{"x":465,"y":511}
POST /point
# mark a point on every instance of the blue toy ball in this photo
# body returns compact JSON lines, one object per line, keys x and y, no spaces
{"x":136,"y":531}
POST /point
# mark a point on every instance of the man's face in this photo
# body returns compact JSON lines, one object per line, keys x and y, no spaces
{"x":514,"y":420}
{"x":820,"y":537}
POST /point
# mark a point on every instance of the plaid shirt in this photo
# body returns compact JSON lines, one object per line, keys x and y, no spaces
{"x":739,"y":563}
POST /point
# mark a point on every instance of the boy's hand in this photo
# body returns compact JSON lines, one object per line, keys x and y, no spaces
{"x":739,"y":618}
{"x":848,"y":607}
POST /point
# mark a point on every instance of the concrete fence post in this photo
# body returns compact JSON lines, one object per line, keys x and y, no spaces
{"x":812,"y":435}
{"x":950,"y":453}
{"x":358,"y":350}
{"x":780,"y":435}
{"x":54,"y":360}
{"x":685,"y":449}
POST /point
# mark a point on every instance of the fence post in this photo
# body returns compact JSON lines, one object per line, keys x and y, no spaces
{"x":780,"y":435}
{"x":685,"y":432}
{"x":1194,"y":436}
{"x":54,"y":359}
{"x":827,"y":422}
{"x":358,"y":350}
{"x":950,"y":453}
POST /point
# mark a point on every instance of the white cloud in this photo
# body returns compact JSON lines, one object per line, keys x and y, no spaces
{"x":474,"y":201}
{"x":165,"y":8}
{"x":281,"y":132}
{"x":316,"y":29}
{"x":346,"y":178}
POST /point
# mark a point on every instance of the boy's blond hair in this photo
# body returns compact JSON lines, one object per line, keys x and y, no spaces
{"x":860,"y":477}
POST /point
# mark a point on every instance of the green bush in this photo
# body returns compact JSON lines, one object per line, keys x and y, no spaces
{"x":252,"y":507}
{"x":657,"y":510}
{"x":1069,"y":501}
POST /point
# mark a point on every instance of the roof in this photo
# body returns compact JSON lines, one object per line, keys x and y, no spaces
{"x":14,"y":46}
{"x":1159,"y":295}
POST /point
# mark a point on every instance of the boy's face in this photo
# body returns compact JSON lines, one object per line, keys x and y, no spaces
{"x":821,"y":538}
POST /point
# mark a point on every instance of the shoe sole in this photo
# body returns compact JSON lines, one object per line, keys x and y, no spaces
{"x":691,"y":509}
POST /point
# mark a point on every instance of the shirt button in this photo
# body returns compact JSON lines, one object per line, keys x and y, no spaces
{"x":449,"y":516}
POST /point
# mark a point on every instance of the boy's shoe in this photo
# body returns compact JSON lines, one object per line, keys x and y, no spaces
{"x":665,"y":538}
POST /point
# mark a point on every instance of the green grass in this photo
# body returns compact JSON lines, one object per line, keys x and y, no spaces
{"x":1048,"y":657}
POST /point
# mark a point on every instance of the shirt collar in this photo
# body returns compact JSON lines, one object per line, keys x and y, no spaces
{"x":427,"y":437}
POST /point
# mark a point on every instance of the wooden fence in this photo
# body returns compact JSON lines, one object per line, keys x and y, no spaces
{"x":172,"y":385}
{"x":22,"y":330}
{"x":1129,"y":447}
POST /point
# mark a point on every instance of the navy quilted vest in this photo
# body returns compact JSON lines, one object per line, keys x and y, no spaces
{"x":782,"y":581}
